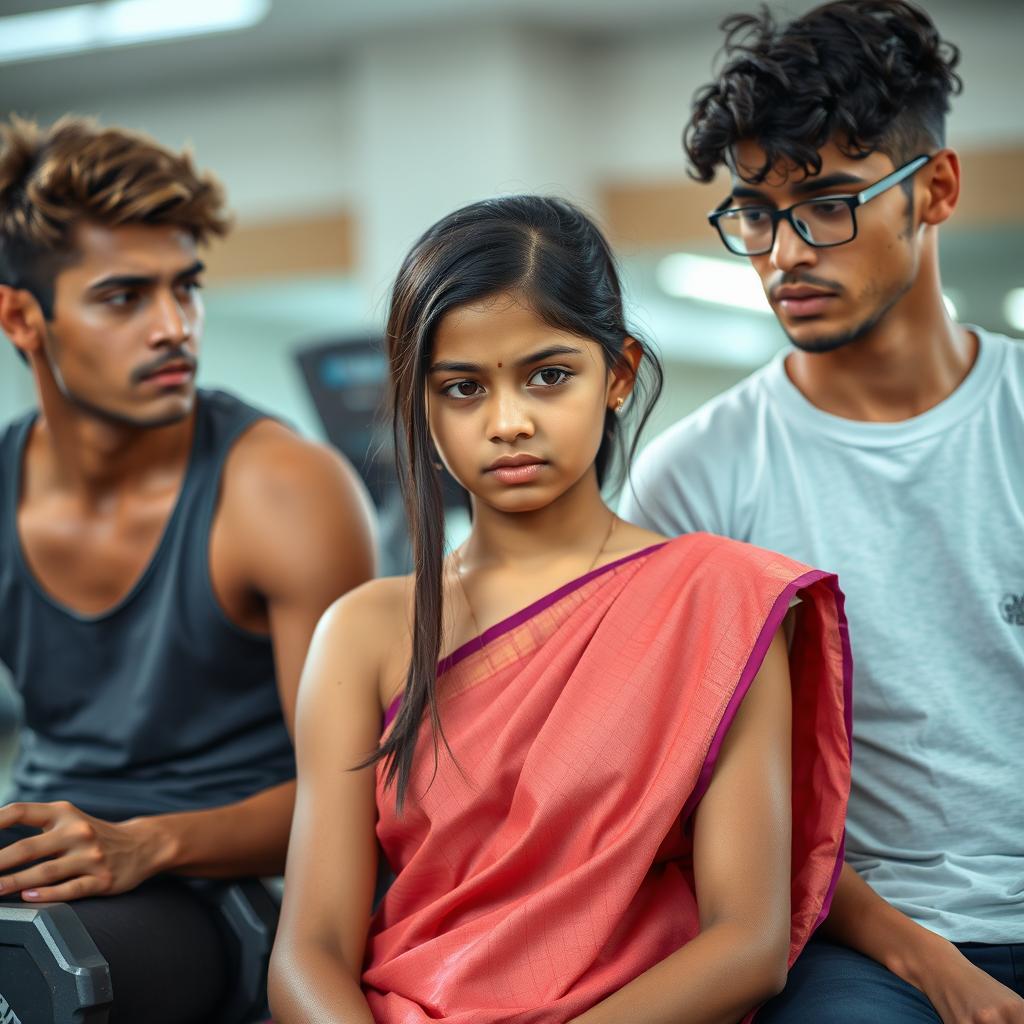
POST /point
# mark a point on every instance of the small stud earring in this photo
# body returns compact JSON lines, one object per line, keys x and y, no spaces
{"x":619,"y":404}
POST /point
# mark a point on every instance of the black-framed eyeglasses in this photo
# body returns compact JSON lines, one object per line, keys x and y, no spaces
{"x":822,"y":222}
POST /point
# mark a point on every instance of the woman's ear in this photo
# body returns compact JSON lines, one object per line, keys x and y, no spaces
{"x":623,"y":373}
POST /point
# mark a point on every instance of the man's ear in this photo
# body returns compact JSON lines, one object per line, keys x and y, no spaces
{"x":941,"y":177}
{"x":22,"y":320}
{"x":624,"y":373}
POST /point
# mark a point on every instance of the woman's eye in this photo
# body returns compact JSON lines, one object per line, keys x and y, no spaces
{"x":463,"y":389}
{"x":549,"y":377}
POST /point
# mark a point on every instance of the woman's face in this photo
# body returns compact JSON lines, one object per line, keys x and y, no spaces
{"x":516,"y":408}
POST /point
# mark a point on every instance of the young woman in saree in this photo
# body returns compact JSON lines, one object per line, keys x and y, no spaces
{"x":609,"y":788}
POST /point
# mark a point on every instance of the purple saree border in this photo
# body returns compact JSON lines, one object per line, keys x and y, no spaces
{"x":832,"y":582}
{"x":750,"y":670}
{"x":478,"y":643}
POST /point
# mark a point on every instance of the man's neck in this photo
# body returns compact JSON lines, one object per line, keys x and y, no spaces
{"x":79,"y":451}
{"x":912,"y":360}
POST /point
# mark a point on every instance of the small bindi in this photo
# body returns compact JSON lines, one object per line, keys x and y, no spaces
{"x":500,"y":365}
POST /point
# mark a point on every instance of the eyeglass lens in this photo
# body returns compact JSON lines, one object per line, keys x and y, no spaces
{"x":751,"y":230}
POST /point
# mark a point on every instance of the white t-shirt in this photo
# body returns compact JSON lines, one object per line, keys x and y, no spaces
{"x":923,"y":520}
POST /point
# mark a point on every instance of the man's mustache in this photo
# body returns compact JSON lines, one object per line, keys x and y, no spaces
{"x":783,"y":280}
{"x":140,"y":373}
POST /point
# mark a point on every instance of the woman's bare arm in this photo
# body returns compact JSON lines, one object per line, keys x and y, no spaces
{"x":332,"y":859}
{"x":742,"y":871}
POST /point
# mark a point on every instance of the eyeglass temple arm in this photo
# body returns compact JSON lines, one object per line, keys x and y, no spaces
{"x":892,"y":179}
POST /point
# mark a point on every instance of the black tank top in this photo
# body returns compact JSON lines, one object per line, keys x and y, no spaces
{"x":161,"y":703}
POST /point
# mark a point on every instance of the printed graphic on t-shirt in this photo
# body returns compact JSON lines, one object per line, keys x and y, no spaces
{"x":1012,"y":608}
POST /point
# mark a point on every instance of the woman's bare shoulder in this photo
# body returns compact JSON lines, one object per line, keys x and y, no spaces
{"x":369,"y":629}
{"x":379,"y":599}
{"x":376,"y":608}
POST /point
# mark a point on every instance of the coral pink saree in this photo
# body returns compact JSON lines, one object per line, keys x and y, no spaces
{"x":552,"y":864}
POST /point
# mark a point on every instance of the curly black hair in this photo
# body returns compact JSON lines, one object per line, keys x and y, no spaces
{"x":870,"y":75}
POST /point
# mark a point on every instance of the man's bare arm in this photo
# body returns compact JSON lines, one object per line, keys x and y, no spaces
{"x":960,"y":992}
{"x":300,"y":531}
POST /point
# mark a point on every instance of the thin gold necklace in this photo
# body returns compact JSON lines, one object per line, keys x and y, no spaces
{"x":457,"y":558}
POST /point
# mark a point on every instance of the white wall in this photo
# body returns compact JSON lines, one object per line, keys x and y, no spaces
{"x":449,"y":116}
{"x":281,"y":143}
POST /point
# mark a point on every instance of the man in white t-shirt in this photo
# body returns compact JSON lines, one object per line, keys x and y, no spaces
{"x":887,"y":445}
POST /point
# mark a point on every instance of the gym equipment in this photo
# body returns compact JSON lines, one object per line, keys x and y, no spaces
{"x":50,"y":969}
{"x":52,"y":973}
{"x":249,"y":909}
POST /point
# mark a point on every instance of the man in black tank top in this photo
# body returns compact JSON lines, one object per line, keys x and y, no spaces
{"x":165,"y":554}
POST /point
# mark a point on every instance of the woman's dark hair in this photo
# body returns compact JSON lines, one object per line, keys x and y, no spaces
{"x":870,"y":75}
{"x":555,"y":260}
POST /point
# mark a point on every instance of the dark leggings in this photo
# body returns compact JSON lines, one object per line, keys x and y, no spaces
{"x":165,"y":947}
{"x":832,"y":984}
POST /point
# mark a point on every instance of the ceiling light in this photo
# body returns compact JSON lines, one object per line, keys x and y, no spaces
{"x":109,"y":23}
{"x":1013,"y":308}
{"x":709,"y":279}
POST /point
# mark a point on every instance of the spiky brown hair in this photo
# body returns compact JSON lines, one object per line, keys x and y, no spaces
{"x":53,"y":179}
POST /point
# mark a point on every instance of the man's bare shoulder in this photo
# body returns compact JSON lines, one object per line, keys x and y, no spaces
{"x":295,"y":510}
{"x":273,"y":459}
{"x":288,"y":482}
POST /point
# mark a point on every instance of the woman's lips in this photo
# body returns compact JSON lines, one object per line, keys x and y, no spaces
{"x":523,"y":474}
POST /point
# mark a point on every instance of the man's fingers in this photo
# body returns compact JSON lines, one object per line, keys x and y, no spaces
{"x":74,"y":889}
{"x":31,"y":814}
{"x":48,"y":873}
{"x":24,"y":851}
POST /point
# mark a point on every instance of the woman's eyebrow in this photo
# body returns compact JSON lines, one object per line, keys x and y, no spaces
{"x":446,"y":366}
{"x":449,"y":366}
{"x":548,"y":353}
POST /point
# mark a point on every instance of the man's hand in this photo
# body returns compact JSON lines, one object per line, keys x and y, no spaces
{"x":78,"y":855}
{"x":962,"y":993}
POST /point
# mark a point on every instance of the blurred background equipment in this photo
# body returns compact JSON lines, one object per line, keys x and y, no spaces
{"x":347,"y":381}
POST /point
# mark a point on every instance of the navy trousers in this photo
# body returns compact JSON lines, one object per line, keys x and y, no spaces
{"x":832,"y":984}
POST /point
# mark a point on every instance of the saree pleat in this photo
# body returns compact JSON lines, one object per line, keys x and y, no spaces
{"x":549,"y":862}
